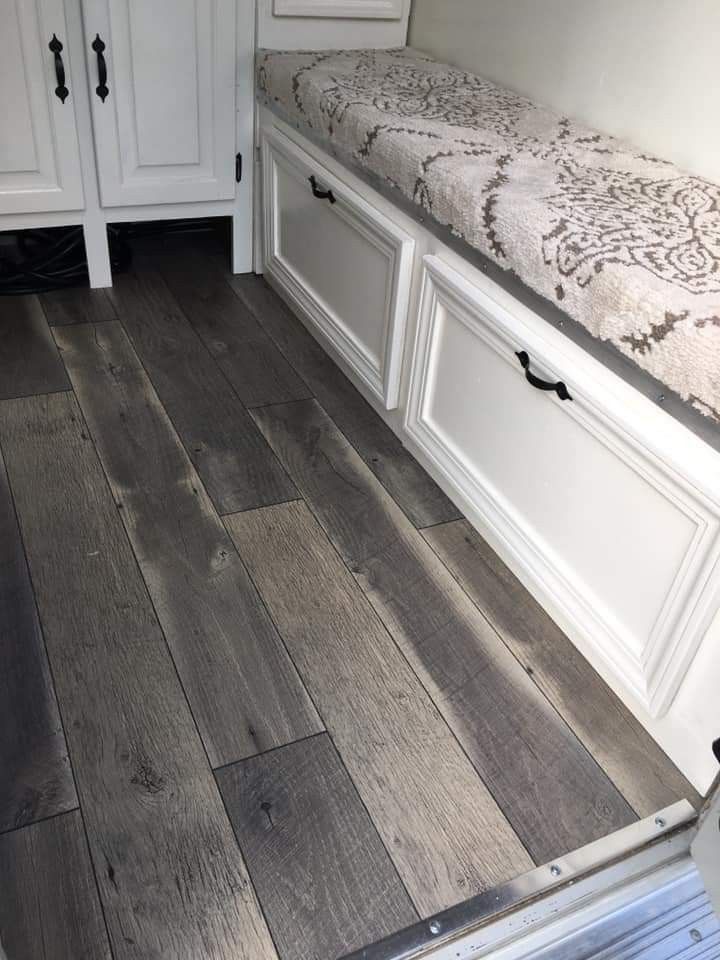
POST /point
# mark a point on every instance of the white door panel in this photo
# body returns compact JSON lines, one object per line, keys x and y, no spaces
{"x":39,"y":154}
{"x":165,"y":131}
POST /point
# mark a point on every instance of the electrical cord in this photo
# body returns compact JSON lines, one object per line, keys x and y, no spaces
{"x":40,"y":260}
{"x":49,"y":259}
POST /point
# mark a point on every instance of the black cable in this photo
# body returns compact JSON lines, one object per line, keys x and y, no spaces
{"x":51,"y":259}
{"x":48,"y":259}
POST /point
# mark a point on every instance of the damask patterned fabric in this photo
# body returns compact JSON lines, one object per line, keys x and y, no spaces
{"x":623,"y":242}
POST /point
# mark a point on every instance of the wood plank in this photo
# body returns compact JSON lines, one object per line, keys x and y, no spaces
{"x":442,"y":827}
{"x":631,"y":758}
{"x":77,"y":305}
{"x":551,"y":790}
{"x":255,"y":367}
{"x":171,"y":877}
{"x":36,"y":778}
{"x":237,"y":467}
{"x":49,"y":909}
{"x":243,"y":689}
{"x":29,"y":361}
{"x":326,"y":883}
{"x":398,"y":471}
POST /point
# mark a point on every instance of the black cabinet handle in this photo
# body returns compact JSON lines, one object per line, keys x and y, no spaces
{"x":321,"y":194}
{"x":102,"y":88}
{"x":61,"y":91}
{"x":559,"y":388}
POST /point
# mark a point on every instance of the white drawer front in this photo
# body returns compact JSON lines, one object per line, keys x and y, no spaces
{"x":593,"y":520}
{"x":346,"y":265}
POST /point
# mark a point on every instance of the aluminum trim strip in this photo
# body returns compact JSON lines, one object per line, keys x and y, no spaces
{"x":564,"y":871}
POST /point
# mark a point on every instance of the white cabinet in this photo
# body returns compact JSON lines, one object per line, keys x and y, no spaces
{"x":156,"y":123}
{"x":39,"y":154}
{"x":355,"y":9}
{"x":165,"y":128}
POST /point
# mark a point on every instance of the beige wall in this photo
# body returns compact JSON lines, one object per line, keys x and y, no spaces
{"x":646,"y":70}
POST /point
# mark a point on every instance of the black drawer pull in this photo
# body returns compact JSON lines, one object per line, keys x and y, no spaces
{"x":61,"y":91}
{"x":559,"y":388}
{"x":321,"y":194}
{"x":102,"y":88}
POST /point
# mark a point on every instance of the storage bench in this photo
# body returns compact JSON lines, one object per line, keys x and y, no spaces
{"x":606,"y":507}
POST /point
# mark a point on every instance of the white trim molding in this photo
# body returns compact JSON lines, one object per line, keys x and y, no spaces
{"x":356,"y":9}
{"x":651,"y":664}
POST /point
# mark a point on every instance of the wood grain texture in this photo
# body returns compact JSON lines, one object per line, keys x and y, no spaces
{"x":35,"y":776}
{"x":551,"y":790}
{"x":442,"y":828}
{"x":29,"y":361}
{"x":631,"y":758}
{"x":49,"y":908}
{"x":411,"y":487}
{"x":77,"y":305}
{"x":171,"y":877}
{"x":255,"y":367}
{"x":324,"y":879}
{"x":236,"y":465}
{"x":243,"y":689}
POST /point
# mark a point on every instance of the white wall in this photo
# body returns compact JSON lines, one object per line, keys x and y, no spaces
{"x":645,"y":70}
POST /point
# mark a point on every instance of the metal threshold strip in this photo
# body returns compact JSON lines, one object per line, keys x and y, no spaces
{"x":642,"y":847}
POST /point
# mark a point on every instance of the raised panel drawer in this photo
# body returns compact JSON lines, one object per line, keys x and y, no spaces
{"x":620,"y":547}
{"x":343,"y":263}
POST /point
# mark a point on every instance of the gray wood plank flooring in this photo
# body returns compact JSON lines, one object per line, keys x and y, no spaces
{"x":49,"y":908}
{"x":406,"y":481}
{"x":188,"y":584}
{"x":77,"y":305}
{"x":302,"y":827}
{"x":258,"y":371}
{"x":430,"y":807}
{"x":244,"y":691}
{"x":35,"y":776}
{"x":237,"y":467}
{"x":29,"y":361}
{"x":552,"y":791}
{"x":630,"y":757}
{"x":171,"y":877}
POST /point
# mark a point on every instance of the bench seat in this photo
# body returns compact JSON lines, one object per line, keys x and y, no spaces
{"x":624,"y":243}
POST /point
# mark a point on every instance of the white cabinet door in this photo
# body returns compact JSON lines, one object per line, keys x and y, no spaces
{"x":165,"y":131}
{"x":39,"y":155}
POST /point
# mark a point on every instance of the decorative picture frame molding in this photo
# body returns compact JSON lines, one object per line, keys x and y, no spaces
{"x":353,"y":9}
